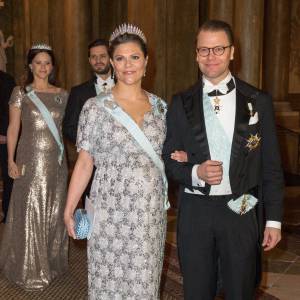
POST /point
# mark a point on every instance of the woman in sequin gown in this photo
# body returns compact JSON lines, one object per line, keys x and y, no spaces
{"x":34,"y":248}
{"x":125,"y":251}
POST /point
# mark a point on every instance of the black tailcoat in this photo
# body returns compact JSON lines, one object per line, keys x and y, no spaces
{"x":257,"y":171}
{"x":78,"y":96}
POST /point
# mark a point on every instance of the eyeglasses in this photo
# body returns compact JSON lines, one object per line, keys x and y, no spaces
{"x":218,"y":50}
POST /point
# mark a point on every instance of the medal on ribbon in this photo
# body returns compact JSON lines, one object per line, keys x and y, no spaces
{"x":253,"y":142}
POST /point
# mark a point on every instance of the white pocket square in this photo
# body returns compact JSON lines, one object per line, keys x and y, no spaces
{"x":253,"y":120}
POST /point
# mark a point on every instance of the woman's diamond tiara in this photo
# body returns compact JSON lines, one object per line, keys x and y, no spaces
{"x":40,"y":47}
{"x":127,"y":28}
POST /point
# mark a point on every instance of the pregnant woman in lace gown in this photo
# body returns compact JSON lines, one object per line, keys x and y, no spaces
{"x":125,"y":251}
{"x":34,"y":247}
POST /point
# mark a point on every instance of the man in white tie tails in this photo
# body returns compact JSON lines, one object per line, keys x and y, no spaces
{"x":101,"y":81}
{"x":230,"y":201}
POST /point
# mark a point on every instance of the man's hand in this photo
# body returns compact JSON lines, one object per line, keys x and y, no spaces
{"x":211,"y":171}
{"x":272,"y":237}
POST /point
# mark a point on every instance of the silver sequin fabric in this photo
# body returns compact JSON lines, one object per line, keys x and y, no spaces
{"x":125,"y":252}
{"x":34,"y":248}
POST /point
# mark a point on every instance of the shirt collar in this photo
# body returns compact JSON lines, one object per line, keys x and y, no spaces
{"x":109,"y":81}
{"x":221,"y":86}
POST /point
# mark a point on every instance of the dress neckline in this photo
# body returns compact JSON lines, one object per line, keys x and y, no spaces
{"x":148,"y":112}
{"x":50,"y":93}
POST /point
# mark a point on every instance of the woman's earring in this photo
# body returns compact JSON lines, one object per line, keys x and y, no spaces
{"x":112,"y":72}
{"x":144,"y":73}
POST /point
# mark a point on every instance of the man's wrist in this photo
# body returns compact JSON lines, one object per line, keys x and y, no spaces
{"x":196,"y":181}
{"x":273,"y":224}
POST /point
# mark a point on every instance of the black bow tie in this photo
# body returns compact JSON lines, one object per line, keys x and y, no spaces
{"x":230,"y":85}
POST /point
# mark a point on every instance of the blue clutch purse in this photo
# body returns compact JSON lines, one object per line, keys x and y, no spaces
{"x":82,"y":224}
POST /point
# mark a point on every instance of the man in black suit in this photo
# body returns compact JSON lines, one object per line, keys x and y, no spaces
{"x":100,"y":82}
{"x":232,"y":179}
{"x":7,"y":83}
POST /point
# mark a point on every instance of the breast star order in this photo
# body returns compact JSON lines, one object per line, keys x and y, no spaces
{"x":253,"y":141}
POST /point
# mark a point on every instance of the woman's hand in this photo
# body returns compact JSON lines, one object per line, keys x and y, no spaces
{"x":180,"y":156}
{"x":70,"y":224}
{"x":13,"y":170}
{"x":82,"y":173}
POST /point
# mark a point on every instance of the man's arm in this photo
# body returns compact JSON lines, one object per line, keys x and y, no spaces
{"x":273,"y":183}
{"x":71,"y":117}
{"x":179,"y":171}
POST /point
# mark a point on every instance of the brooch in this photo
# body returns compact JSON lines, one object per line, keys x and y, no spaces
{"x":253,"y":141}
{"x":58,"y":99}
{"x":160,"y":108}
{"x":109,"y":104}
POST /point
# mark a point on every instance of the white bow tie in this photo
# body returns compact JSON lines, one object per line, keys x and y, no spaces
{"x":221,"y":87}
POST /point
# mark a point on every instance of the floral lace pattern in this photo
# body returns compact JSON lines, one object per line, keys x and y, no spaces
{"x":125,"y":252}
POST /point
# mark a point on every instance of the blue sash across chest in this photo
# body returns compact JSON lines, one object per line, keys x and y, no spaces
{"x":122,"y":117}
{"x":220,"y":149}
{"x":49,"y":121}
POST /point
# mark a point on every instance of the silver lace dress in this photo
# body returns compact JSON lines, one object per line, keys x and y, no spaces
{"x":125,"y":252}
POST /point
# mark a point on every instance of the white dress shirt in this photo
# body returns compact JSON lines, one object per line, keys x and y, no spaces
{"x":226,"y":117}
{"x":105,"y":85}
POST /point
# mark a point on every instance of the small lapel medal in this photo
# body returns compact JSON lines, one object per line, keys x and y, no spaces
{"x":220,"y":90}
{"x":217,"y":104}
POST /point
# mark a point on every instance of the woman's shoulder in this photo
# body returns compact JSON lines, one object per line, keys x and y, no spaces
{"x":99,"y":101}
{"x":17,"y":96}
{"x":19,"y":90}
{"x":62,"y":92}
{"x":159,"y":104}
{"x":92,"y":105}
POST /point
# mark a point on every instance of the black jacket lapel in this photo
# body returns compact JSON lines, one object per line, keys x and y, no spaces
{"x":92,"y":88}
{"x":193,"y":107}
{"x":240,"y":128}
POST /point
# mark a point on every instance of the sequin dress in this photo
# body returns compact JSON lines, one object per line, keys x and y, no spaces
{"x":34,"y":247}
{"x":125,"y":252}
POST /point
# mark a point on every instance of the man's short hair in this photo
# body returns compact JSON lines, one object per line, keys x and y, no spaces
{"x":97,"y":42}
{"x":218,"y":25}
